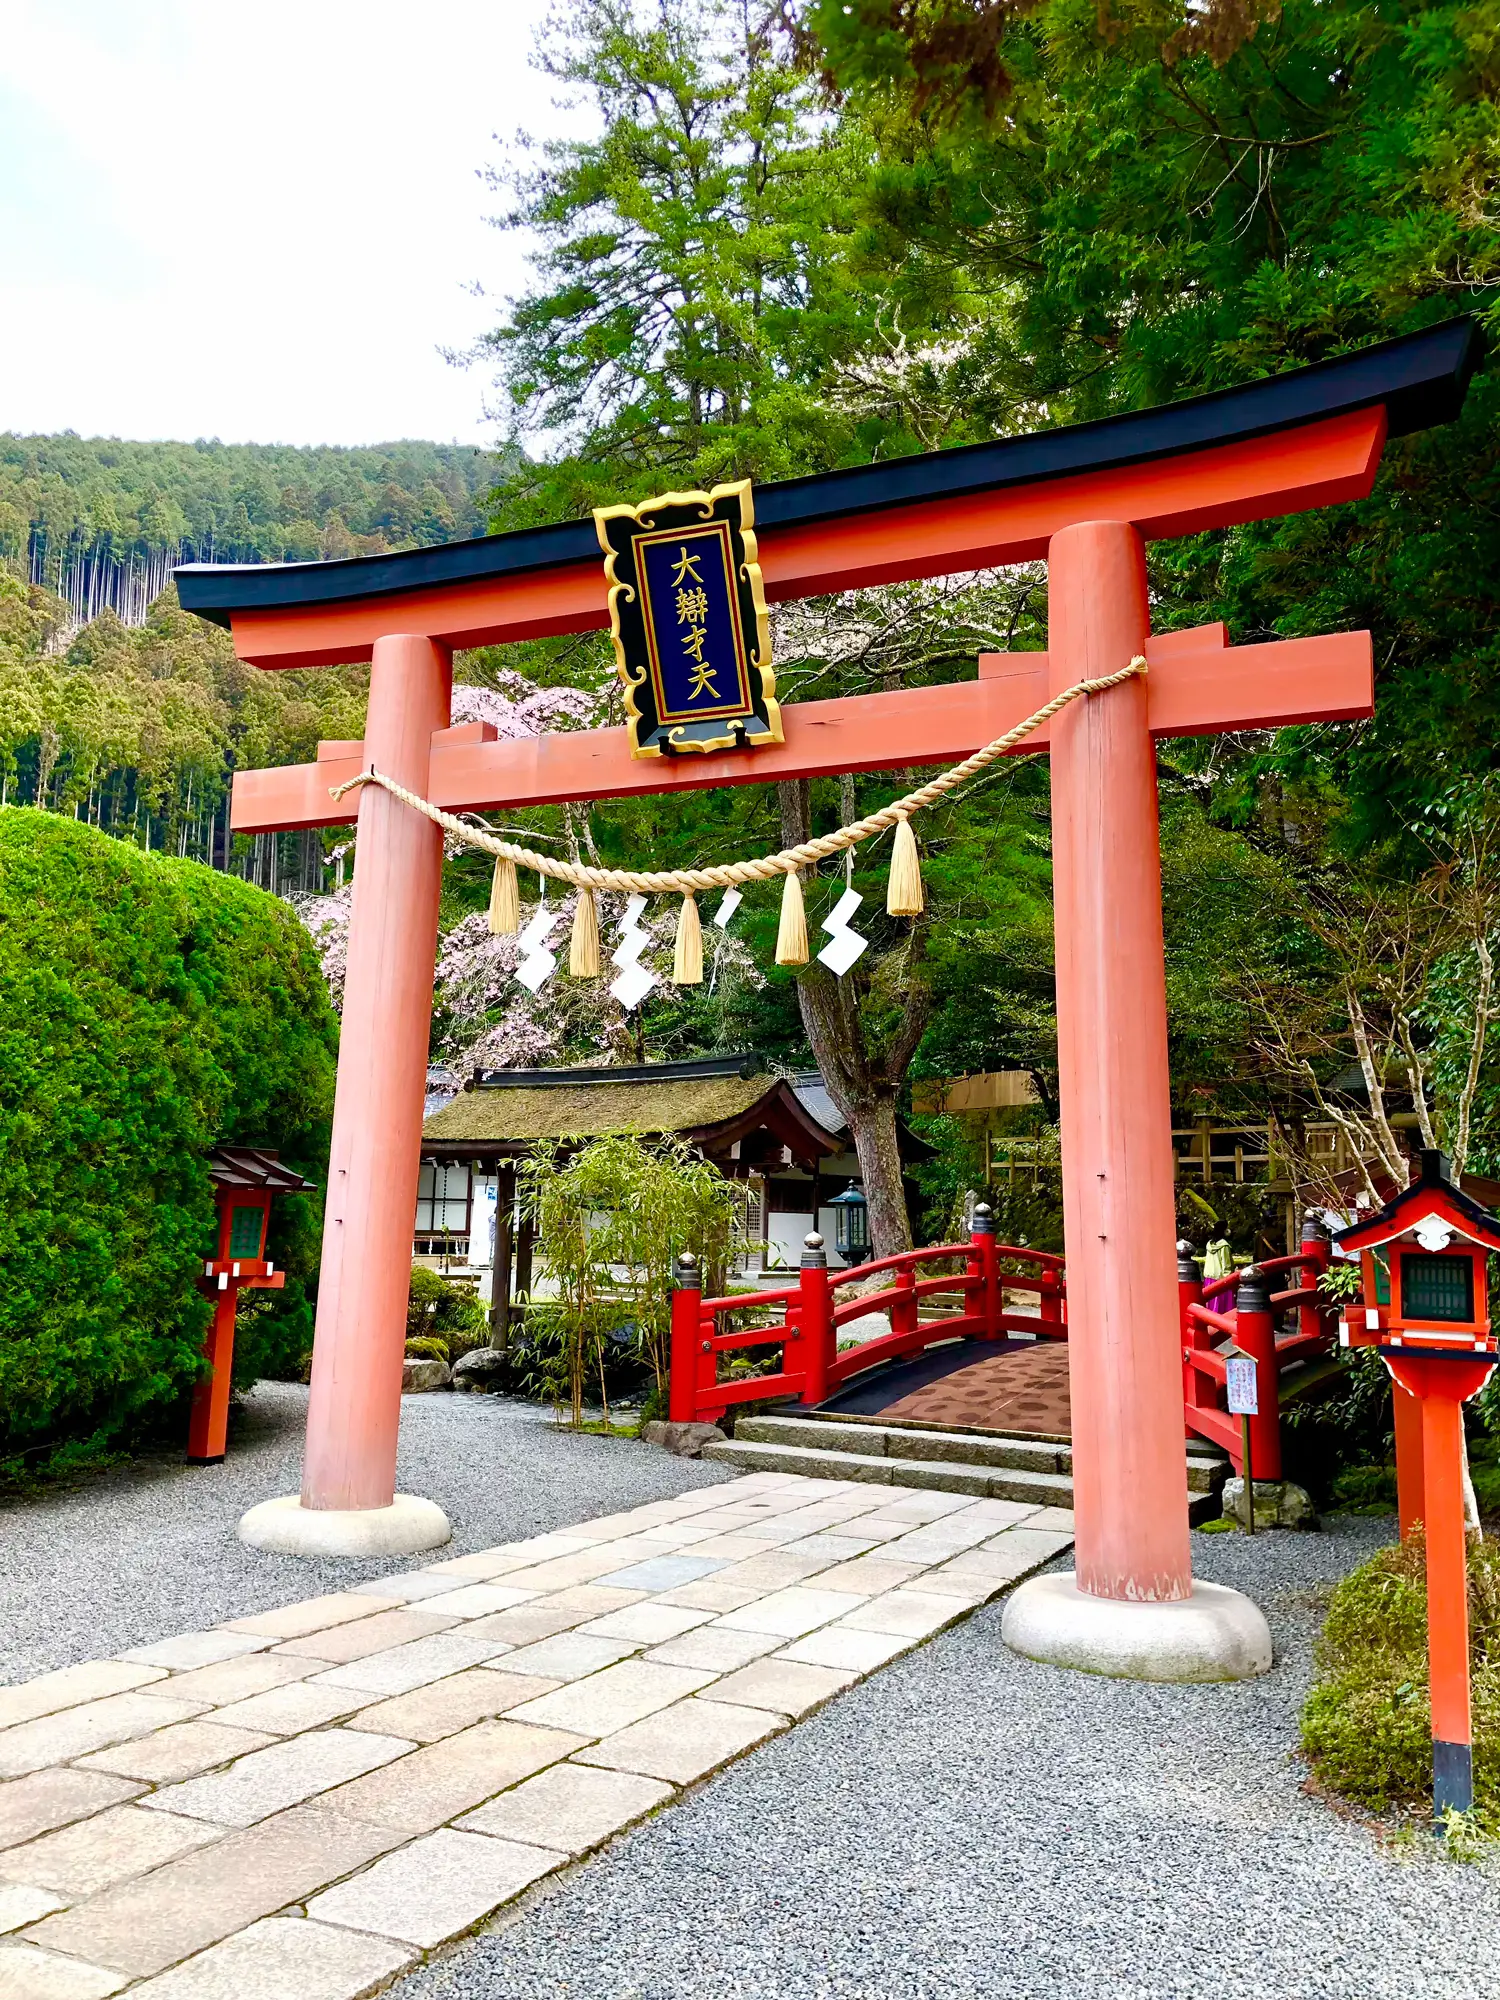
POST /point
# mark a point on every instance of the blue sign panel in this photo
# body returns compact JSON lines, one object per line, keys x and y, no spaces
{"x":688,"y":616}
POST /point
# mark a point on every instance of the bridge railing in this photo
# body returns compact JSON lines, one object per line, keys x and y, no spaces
{"x":1244,"y":1307}
{"x":705,"y":1331}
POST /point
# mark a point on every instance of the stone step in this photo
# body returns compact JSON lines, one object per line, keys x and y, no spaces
{"x":874,"y":1440}
{"x":867,"y":1438}
{"x":983,"y":1482}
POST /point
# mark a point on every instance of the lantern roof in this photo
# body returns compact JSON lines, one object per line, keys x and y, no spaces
{"x":1434,"y":1195}
{"x":253,"y":1167}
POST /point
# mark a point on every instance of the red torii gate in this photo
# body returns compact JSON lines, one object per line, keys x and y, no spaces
{"x":1087,"y":498}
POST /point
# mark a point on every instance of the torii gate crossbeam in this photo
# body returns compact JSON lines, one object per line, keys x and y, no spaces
{"x":1087,"y":499}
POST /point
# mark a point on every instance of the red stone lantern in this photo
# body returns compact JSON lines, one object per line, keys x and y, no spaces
{"x":1426,"y":1309}
{"x":244,"y":1182}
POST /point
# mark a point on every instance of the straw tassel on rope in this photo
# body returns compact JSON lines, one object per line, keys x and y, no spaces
{"x":791,"y":936}
{"x":505,"y":899}
{"x":903,"y":896}
{"x":687,"y":957}
{"x":583,"y":948}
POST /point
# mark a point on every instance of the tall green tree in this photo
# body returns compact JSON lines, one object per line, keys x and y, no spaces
{"x":691,"y":303}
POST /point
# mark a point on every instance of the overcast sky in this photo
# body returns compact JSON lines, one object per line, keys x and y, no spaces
{"x":254,"y":222}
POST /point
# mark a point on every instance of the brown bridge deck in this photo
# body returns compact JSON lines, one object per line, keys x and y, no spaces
{"x":1011,"y":1386}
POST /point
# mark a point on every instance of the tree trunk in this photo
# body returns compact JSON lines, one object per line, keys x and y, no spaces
{"x":864,"y":1081}
{"x":874,"y":1128}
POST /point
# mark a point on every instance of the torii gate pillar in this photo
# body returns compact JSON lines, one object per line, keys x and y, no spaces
{"x":1131,"y":1607}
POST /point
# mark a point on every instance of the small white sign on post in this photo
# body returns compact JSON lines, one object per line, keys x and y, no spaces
{"x":1239,"y":1380}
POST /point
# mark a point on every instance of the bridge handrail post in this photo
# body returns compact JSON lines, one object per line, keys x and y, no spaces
{"x":687,"y":1324}
{"x":816,"y":1321}
{"x":1317,"y":1254}
{"x":984,"y":1253}
{"x":1194,"y":1333}
{"x":1255,"y":1335}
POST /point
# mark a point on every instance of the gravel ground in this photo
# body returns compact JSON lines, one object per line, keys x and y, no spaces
{"x":966,"y":1823}
{"x":140,"y":1555}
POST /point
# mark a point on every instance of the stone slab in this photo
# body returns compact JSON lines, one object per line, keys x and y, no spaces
{"x":837,"y":1646}
{"x":414,"y":1587}
{"x":363,"y":1636}
{"x":284,"y":1958}
{"x":143,"y":1926}
{"x":486,"y":1564}
{"x":312,"y":1614}
{"x":613,"y":1699}
{"x":67,"y":1687}
{"x":287,"y":1711}
{"x":684,"y":1742}
{"x":237,"y":1680}
{"x":195,"y":1649}
{"x":287,"y":1774}
{"x":569,"y":1808}
{"x":45,"y":1799}
{"x":912,"y":1614}
{"x":436,"y":1888}
{"x":21,"y":1904}
{"x":94,"y":1854}
{"x":569,"y":1656}
{"x":714,"y":1593}
{"x":529,"y":1622}
{"x":74,"y":1732}
{"x":663,"y":1572}
{"x":453,"y":1776}
{"x":788,"y":1614}
{"x":443,"y":1708}
{"x":475,"y":1600}
{"x":645,"y":1624}
{"x":182,"y":1751}
{"x":786,"y":1687}
{"x":402,"y":1668}
{"x":29,"y":1974}
{"x":715,"y":1648}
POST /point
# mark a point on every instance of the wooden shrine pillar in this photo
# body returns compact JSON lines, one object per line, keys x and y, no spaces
{"x":1129,"y":1467}
{"x":525,"y":1235}
{"x":505,"y":1201}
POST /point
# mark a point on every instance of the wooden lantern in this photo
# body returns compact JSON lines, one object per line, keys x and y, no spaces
{"x":1424,"y":1258}
{"x":244,"y":1181}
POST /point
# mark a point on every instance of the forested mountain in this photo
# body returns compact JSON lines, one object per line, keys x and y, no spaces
{"x":99,"y":522}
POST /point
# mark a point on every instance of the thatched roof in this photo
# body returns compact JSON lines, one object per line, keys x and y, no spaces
{"x":709,"y":1110}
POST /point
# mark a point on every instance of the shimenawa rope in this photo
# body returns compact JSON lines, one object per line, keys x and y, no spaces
{"x":686,"y":881}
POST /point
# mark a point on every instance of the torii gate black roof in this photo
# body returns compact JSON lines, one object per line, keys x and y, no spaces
{"x":1421,"y":379}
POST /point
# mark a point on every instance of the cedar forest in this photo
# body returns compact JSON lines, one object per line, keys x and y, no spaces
{"x":824,"y":234}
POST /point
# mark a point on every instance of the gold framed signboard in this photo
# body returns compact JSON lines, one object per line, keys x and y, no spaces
{"x":687,"y":612}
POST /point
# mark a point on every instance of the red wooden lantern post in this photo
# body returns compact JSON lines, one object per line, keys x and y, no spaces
{"x":244,"y":1181}
{"x":1426,"y":1308}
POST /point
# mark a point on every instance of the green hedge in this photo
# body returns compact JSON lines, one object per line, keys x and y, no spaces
{"x":149,"y":1009}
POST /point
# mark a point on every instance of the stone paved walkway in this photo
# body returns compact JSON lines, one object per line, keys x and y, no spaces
{"x":299,"y":1804}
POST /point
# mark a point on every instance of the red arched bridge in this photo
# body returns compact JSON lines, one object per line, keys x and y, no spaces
{"x":978,"y":1340}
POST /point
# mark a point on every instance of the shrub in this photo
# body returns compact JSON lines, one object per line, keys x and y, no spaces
{"x":149,"y":1009}
{"x":1367,"y":1723}
{"x":444,"y":1321}
{"x":611,"y":1217}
